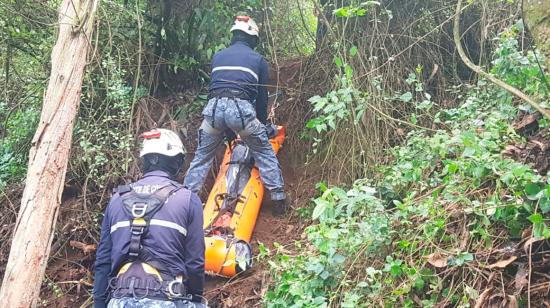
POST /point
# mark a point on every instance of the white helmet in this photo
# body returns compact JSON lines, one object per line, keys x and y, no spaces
{"x":247,"y":25}
{"x":161,"y":141}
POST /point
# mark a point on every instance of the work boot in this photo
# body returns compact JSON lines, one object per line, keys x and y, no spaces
{"x":280,"y":207}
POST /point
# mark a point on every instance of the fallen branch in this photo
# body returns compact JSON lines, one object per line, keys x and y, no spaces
{"x":81,"y":281}
{"x":486,"y":75}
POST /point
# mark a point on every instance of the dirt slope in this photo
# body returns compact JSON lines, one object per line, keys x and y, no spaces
{"x":247,"y":290}
{"x":69,"y":276}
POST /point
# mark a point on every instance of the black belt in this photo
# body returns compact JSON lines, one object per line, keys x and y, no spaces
{"x":141,"y":287}
{"x":134,"y":281}
{"x":229,"y":93}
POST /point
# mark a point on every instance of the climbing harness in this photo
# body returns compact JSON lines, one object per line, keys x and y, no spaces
{"x":142,"y":208}
{"x":234,"y":95}
{"x":142,"y":276}
{"x":141,"y":280}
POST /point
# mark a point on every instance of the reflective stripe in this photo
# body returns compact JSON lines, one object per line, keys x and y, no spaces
{"x":236,"y":68}
{"x":153,"y":222}
{"x":120,"y":224}
{"x":168,"y":224}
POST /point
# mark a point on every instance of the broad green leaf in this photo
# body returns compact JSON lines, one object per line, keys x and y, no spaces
{"x":320,"y":208}
{"x":533,"y":191}
{"x":338,"y":61}
{"x":538,"y":230}
{"x":360,"y":12}
{"x":468,"y":257}
{"x":312,"y":123}
{"x":535,"y":218}
{"x":544,"y":205}
{"x":321,"y":186}
{"x":321,"y":127}
{"x":314,"y":99}
{"x":406,"y":97}
{"x":419,"y":283}
{"x":413,"y":119}
{"x":353,"y":51}
{"x":519,"y":170}
{"x":338,"y":258}
{"x":349,"y":71}
{"x":341,"y":12}
{"x":469,"y":152}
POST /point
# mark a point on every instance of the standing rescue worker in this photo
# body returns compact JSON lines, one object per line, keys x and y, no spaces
{"x":151,"y":252}
{"x":238,"y":104}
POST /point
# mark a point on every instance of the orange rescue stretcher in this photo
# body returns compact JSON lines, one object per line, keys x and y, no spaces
{"x":232,"y":209}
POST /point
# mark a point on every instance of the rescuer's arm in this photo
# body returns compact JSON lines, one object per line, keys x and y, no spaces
{"x":261,"y":99}
{"x":103,"y":265}
{"x":194,"y":249}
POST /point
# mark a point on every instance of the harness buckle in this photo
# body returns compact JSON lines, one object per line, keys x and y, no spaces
{"x":139,"y":209}
{"x":172,"y":292}
{"x":137,"y":230}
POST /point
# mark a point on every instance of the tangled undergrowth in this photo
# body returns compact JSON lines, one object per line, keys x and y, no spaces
{"x":449,"y":221}
{"x":373,"y":45}
{"x":452,"y":220}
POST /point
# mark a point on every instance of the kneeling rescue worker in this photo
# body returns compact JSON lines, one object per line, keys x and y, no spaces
{"x":151,"y":252}
{"x":238,"y":105}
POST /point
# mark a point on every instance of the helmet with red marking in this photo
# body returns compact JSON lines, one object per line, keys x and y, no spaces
{"x":161,"y":141}
{"x":247,"y":25}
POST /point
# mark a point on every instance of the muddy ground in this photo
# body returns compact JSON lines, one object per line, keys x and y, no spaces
{"x":69,"y":275}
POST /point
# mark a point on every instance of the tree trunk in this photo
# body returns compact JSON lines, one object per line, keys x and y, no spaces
{"x":48,"y":158}
{"x":324,"y":15}
{"x":537,"y":18}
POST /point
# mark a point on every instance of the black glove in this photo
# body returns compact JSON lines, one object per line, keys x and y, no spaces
{"x":230,"y":135}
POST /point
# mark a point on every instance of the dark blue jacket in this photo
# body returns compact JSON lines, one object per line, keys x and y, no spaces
{"x":180,"y":254}
{"x":239,"y":67}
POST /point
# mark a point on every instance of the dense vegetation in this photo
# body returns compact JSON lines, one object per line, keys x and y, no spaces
{"x":142,"y":52}
{"x":140,"y":49}
{"x":446,"y":213}
{"x":425,"y":197}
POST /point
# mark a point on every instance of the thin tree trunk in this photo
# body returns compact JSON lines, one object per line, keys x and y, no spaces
{"x":48,"y":158}
{"x":537,"y":18}
{"x":323,"y":24}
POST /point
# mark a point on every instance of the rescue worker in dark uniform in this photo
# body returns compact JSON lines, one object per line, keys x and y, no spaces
{"x":151,"y":251}
{"x":238,"y":104}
